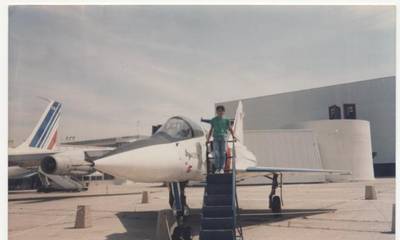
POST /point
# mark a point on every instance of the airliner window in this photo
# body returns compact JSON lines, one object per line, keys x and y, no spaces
{"x":176,"y":128}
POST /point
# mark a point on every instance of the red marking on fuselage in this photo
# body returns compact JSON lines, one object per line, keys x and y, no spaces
{"x":188,"y":167}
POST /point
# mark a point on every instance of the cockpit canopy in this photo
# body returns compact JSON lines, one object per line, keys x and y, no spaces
{"x":174,"y":130}
{"x":180,"y":128}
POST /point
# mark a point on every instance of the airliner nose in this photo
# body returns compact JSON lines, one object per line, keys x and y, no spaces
{"x":148,"y":164}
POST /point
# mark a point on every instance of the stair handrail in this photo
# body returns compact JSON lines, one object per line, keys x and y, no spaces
{"x":233,"y":159}
{"x":235,"y":203}
{"x":234,"y":206}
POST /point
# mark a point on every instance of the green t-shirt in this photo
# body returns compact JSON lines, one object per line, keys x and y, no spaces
{"x":220,"y":126}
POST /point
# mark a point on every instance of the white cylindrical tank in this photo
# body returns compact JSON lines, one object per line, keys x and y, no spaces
{"x":343,"y":145}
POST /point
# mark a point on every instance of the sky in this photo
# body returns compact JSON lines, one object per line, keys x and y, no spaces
{"x":118,"y":70}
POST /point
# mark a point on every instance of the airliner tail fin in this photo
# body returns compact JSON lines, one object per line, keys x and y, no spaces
{"x":44,"y":135}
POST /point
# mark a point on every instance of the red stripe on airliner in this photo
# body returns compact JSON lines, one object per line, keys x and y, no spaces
{"x":53,"y":141}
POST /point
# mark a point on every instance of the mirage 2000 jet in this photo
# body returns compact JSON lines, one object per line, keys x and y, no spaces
{"x":178,"y":153}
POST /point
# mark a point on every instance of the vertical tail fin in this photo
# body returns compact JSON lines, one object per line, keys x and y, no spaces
{"x":238,"y":124}
{"x":44,"y":135}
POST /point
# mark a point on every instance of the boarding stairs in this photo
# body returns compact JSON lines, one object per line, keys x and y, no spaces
{"x":52,"y":182}
{"x":220,"y":212}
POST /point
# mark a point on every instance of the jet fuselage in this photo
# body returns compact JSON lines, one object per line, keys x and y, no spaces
{"x":175,"y":153}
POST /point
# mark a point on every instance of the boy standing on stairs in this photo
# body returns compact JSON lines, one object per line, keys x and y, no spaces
{"x":219,"y":131}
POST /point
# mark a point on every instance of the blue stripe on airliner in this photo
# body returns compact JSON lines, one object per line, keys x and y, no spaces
{"x":49,"y":127}
{"x":53,"y":110}
{"x":50,"y":130}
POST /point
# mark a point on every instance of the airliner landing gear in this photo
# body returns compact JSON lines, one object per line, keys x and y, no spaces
{"x":177,"y":201}
{"x":275,"y":202}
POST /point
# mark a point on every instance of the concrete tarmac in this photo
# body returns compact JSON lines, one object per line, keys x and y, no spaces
{"x":311,"y":211}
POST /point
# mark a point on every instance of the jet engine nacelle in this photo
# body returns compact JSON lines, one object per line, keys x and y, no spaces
{"x":67,"y":163}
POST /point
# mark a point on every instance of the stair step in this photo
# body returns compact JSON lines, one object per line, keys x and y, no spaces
{"x":217,"y":223}
{"x":217,"y":211}
{"x":220,"y":234}
{"x":219,"y":188}
{"x":219,"y":178}
{"x":218,"y":200}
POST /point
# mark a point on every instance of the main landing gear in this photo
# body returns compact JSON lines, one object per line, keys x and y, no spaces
{"x":177,"y":201}
{"x":275,"y":202}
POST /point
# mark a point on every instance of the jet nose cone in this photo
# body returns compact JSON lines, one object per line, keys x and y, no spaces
{"x":148,"y":164}
{"x":104,"y":165}
{"x":112,"y":165}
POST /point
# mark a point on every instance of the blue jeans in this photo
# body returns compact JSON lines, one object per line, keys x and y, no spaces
{"x":219,"y":146}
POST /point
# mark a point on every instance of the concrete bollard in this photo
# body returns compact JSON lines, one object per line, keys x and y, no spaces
{"x":370,"y":193}
{"x":394,"y":218}
{"x":83,"y":217}
{"x":145,"y":197}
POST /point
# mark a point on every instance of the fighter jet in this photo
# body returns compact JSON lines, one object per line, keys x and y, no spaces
{"x":176,"y":154}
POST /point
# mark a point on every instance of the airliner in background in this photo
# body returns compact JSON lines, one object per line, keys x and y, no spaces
{"x":25,"y":159}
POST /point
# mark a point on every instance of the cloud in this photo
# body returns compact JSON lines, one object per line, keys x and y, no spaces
{"x":113,"y":66}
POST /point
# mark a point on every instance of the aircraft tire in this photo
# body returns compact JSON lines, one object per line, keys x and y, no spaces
{"x":276,"y":205}
{"x":182,"y":233}
{"x":187,"y":233}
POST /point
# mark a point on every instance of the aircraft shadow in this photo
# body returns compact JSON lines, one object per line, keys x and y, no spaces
{"x":54,"y":198}
{"x":15,"y":192}
{"x":142,"y":225}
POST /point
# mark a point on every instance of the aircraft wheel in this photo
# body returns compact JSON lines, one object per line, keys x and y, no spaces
{"x":182,"y":233}
{"x":187,"y":233}
{"x":276,"y":205}
{"x":176,"y":235}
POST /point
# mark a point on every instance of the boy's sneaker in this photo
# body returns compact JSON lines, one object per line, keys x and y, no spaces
{"x":221,"y":171}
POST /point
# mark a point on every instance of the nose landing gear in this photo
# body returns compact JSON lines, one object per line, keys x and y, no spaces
{"x":177,"y":201}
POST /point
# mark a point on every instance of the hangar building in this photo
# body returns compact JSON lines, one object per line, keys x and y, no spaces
{"x":374,"y":101}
